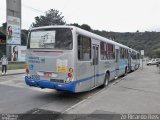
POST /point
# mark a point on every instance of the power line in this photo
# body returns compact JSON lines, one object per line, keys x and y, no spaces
{"x":33,"y":9}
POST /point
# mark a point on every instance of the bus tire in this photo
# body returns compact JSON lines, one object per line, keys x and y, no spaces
{"x":125,"y":72}
{"x":106,"y":80}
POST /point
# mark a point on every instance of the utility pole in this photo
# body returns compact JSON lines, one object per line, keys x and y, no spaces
{"x":13,"y":18}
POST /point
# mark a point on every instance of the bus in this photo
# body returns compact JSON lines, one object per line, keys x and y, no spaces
{"x":67,"y":58}
{"x":134,"y":60}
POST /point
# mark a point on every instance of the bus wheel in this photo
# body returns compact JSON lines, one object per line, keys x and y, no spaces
{"x":125,"y":72}
{"x":106,"y":80}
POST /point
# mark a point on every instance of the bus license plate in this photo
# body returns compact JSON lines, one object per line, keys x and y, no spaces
{"x":47,"y":74}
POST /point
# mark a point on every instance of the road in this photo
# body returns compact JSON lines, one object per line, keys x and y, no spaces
{"x":17,"y":97}
{"x":138,"y":92}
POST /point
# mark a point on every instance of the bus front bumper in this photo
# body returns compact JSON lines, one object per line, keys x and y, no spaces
{"x":52,"y":85}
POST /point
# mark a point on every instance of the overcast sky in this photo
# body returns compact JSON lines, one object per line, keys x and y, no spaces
{"x":109,"y":15}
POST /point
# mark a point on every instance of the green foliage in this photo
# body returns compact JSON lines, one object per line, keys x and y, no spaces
{"x":157,"y":52}
{"x":3,"y":28}
{"x":86,"y":27}
{"x":51,"y":17}
{"x":14,"y":66}
{"x":75,"y":24}
{"x":24,"y":34}
{"x":2,"y":50}
{"x":83,"y":26}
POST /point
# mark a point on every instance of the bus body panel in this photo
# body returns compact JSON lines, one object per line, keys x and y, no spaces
{"x":44,"y":65}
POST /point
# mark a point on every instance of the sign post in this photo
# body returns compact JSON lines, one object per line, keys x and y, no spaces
{"x":142,"y":54}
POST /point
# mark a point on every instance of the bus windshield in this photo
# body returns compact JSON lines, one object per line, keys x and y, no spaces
{"x":55,"y":38}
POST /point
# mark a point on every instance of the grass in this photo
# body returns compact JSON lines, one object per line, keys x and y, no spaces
{"x":12,"y":66}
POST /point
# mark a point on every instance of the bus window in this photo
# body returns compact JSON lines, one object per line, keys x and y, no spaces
{"x":122,"y":53}
{"x":57,"y":38}
{"x":133,"y":55}
{"x":84,"y":48}
{"x":103,"y":50}
{"x":110,"y":52}
{"x":126,"y":54}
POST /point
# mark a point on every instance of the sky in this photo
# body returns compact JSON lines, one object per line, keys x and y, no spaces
{"x":109,"y":15}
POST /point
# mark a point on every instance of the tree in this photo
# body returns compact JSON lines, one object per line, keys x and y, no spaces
{"x":51,"y":17}
{"x":75,"y":24}
{"x":3,"y":28}
{"x":157,"y":52}
{"x":86,"y":27}
{"x":83,"y":26}
{"x":24,"y":34}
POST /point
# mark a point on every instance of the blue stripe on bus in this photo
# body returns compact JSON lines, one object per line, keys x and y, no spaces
{"x":52,"y":85}
{"x":61,"y":86}
{"x":56,"y":85}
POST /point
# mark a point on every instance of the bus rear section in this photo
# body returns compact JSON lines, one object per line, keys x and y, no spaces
{"x":50,"y":59}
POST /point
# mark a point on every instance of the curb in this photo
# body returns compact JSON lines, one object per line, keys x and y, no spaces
{"x":13,"y":74}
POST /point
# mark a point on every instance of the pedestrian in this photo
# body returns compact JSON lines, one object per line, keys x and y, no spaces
{"x":4,"y":61}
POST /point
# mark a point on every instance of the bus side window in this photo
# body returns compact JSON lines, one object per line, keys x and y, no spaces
{"x":122,"y":53}
{"x":103,"y":50}
{"x":110,"y":52}
{"x":84,"y":48}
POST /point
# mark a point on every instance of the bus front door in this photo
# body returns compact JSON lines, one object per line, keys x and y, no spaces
{"x":95,"y":51}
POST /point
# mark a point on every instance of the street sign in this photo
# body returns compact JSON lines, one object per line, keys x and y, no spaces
{"x":142,"y":52}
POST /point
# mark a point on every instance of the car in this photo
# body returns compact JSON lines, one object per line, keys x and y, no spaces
{"x":152,"y":62}
{"x":158,"y":63}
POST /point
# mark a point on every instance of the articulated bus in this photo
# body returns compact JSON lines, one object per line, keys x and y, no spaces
{"x":135,"y":60}
{"x":70,"y":59}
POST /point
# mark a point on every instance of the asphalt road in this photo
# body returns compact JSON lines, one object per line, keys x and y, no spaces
{"x":138,"y":92}
{"x":17,"y":97}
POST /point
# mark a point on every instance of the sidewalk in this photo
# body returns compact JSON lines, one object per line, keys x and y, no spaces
{"x":138,"y":92}
{"x":14,"y":72}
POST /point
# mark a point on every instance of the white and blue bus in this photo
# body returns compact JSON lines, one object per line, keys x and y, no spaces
{"x":71,"y":59}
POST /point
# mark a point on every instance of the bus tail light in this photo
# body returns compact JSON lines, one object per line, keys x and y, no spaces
{"x":69,"y":75}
